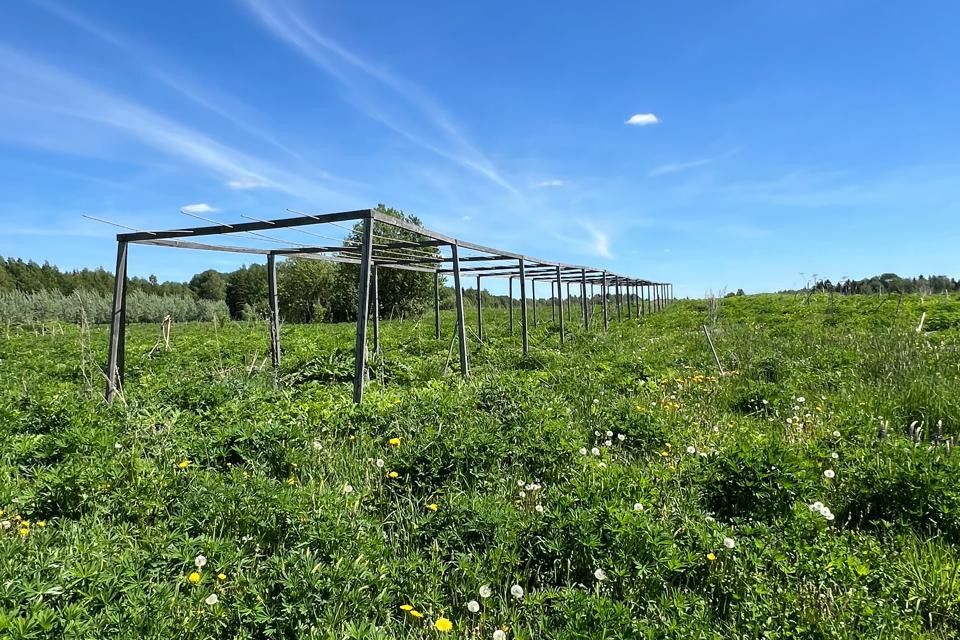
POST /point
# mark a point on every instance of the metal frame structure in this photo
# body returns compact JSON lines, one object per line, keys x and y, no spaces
{"x":373,"y":252}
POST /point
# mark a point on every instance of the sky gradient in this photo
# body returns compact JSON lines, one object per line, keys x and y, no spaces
{"x":713,"y":145}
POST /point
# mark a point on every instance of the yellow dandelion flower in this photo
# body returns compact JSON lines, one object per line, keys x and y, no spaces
{"x":443,"y":625}
{"x":184,"y":463}
{"x":393,"y":474}
{"x":664,"y":454}
{"x":433,"y":506}
{"x":416,"y":614}
{"x":24,"y":531}
{"x":406,"y":607}
{"x":711,"y":557}
{"x":394,"y":442}
{"x":221,"y":577}
{"x":194,"y":577}
{"x":41,"y":523}
{"x":291,"y":480}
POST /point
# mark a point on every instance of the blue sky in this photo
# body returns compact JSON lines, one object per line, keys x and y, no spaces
{"x":771,"y":140}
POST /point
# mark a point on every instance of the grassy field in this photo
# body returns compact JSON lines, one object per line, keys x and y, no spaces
{"x":618,"y":488}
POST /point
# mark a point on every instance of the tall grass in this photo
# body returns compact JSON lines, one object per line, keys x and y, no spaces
{"x":18,"y":307}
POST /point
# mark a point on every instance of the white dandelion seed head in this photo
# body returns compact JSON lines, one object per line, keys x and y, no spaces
{"x":486,"y":591}
{"x":583,"y":451}
{"x":691,"y":450}
{"x":609,"y":434}
{"x":637,"y":506}
{"x":595,"y":451}
{"x":621,"y":437}
{"x":829,"y":473}
{"x":516,"y":591}
{"x":5,"y":524}
{"x":836,"y":434}
{"x":835,"y":455}
{"x":729,"y":543}
{"x":608,"y":443}
{"x":596,"y":433}
{"x":317,"y":445}
{"x":528,"y":487}
{"x":600,"y":575}
{"x":520,"y":483}
{"x":200,"y":561}
{"x":379,"y":463}
{"x":499,"y":634}
{"x":473,"y":606}
{"x":539,"y":508}
{"x":117,"y":446}
{"x":348,"y":488}
{"x":522,"y":494}
{"x":801,"y":399}
{"x":212,"y":599}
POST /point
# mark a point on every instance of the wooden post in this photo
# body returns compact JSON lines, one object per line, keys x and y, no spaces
{"x":436,"y":304}
{"x":479,"y":311}
{"x":510,"y":302}
{"x":559,"y":301}
{"x":583,"y":298}
{"x":603,"y":293}
{"x":533,"y":292}
{"x":363,"y":310}
{"x":523,"y":308}
{"x":274,"y":308}
{"x":461,"y":327}
{"x":118,"y":325}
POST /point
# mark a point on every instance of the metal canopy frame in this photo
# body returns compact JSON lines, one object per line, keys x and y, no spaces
{"x":640,"y":296}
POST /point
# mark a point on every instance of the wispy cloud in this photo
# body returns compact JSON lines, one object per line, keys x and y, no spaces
{"x":642,"y":119}
{"x":33,"y":91}
{"x":599,"y":243}
{"x":201,"y":207}
{"x":398,"y":104}
{"x":245,"y":183}
{"x":548,"y":184}
{"x":675,"y":167}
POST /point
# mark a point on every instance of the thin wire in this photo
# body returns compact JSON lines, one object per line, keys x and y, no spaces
{"x":252,"y":233}
{"x":376,"y":235}
{"x":123,"y":226}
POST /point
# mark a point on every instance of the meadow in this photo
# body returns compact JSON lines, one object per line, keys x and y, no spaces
{"x":617,"y":488}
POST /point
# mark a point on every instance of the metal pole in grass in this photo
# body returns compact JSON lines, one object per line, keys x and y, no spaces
{"x":603,"y":292}
{"x":561,"y":306}
{"x":569,"y":304}
{"x":118,"y":324}
{"x":553,"y":304}
{"x":376,"y":310}
{"x":713,"y":350}
{"x":510,"y":301}
{"x":436,"y":304}
{"x":273,"y":304}
{"x":616,"y":296}
{"x":523,"y":307}
{"x":479,"y":311}
{"x":363,"y":309}
{"x":461,"y":327}
{"x":533,"y":292}
{"x":583,"y":298}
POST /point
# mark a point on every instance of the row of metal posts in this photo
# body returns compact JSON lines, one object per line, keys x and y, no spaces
{"x":657,"y":297}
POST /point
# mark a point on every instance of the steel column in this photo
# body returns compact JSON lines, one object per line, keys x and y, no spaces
{"x":436,"y":304}
{"x":510,"y":303}
{"x":363,"y":310}
{"x":461,"y":327}
{"x":559,"y":302}
{"x":479,"y":312}
{"x":533,"y":292}
{"x":274,"y":307}
{"x":603,"y":292}
{"x":118,"y":325}
{"x":523,"y":307}
{"x":583,"y":298}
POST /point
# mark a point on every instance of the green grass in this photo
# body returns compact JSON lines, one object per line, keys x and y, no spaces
{"x":264,"y":496}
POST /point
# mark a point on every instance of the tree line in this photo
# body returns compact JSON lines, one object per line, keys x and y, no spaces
{"x":887,"y":283}
{"x":308,"y":290}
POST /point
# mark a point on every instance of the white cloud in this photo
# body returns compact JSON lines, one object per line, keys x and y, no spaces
{"x":643,"y":119}
{"x":246,"y":182}
{"x":546,"y":184}
{"x":201,"y":207}
{"x":599,"y":242}
{"x":674,"y":167}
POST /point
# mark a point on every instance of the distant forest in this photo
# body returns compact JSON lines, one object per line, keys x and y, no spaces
{"x":887,"y":283}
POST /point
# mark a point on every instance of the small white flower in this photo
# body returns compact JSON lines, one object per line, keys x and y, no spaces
{"x":829,"y":473}
{"x":539,"y":508}
{"x":499,"y":634}
{"x":729,"y":543}
{"x":836,"y":434}
{"x":595,"y":451}
{"x":596,"y":433}
{"x":473,"y":606}
{"x":522,"y":495}
{"x":212,"y":599}
{"x":609,"y":434}
{"x":528,"y":487}
{"x":621,"y":437}
{"x":536,"y":486}
{"x":600,"y":575}
{"x":637,"y":506}
{"x":118,"y":446}
{"x":828,"y":515}
{"x":835,"y":455}
{"x":516,"y":591}
{"x":317,"y":445}
{"x":801,"y":399}
{"x":379,"y":463}
{"x":200,"y":561}
{"x":520,"y":483}
{"x":486,"y":591}
{"x":348,"y":488}
{"x":691,"y":450}
{"x":5,"y":524}
{"x":583,"y":451}
{"x":608,"y":443}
